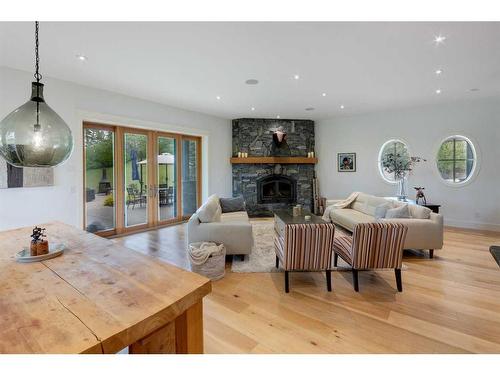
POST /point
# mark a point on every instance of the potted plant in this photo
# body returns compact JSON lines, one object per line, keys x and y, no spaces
{"x":401,"y":165}
{"x":39,"y":245}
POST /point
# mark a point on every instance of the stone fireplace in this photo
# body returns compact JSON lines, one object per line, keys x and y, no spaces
{"x":276,"y":189}
{"x":269,"y":186}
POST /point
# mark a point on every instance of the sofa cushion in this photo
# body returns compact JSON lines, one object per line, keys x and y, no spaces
{"x":419,"y":212}
{"x":210,"y":211}
{"x":232,"y":204}
{"x":238,"y":216}
{"x":381,"y":210}
{"x":367,"y":203}
{"x":348,"y":218}
{"x":401,"y":212}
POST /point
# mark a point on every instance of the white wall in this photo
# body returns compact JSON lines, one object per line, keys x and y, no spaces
{"x":75,"y":103}
{"x":476,"y":205}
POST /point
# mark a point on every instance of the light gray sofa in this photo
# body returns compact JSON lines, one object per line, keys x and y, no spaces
{"x":232,"y":229}
{"x":425,"y":228}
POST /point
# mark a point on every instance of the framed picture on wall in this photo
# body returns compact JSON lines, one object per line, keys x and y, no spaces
{"x":346,"y":162}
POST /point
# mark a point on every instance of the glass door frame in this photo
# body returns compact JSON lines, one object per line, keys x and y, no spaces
{"x":151,"y":173}
{"x":178,"y":189}
{"x":113,"y":129}
{"x":153,"y":219}
{"x":198,"y":171}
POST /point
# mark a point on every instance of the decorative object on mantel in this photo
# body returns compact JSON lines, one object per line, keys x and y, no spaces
{"x":401,"y":165}
{"x":346,"y":162}
{"x":39,"y":248}
{"x":279,"y":145}
{"x":274,"y":160}
{"x":420,"y":195}
{"x":33,"y":135}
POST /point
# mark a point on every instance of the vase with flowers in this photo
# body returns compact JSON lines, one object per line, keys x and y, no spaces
{"x":401,"y":165}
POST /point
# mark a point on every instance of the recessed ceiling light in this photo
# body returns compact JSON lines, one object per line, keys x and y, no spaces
{"x":277,"y":116}
{"x":251,"y":81}
{"x":342,"y":106}
{"x":324,"y":94}
{"x":439,"y":72}
{"x":438,"y":91}
{"x":310,"y":109}
{"x":81,"y":57}
{"x":439,"y":39}
{"x":253,"y":108}
{"x":217,"y":97}
{"x":296,"y":76}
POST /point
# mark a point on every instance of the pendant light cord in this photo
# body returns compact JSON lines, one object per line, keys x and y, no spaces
{"x":38,"y":76}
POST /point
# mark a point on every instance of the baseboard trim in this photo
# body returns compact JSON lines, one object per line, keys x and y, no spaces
{"x":472,"y":225}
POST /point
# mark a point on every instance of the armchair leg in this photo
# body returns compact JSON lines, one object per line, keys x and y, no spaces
{"x":277,"y":262}
{"x":355,"y":279}
{"x":399,"y":282}
{"x":287,"y":289}
{"x":335,"y":259}
{"x":431,"y":253}
{"x":329,"y":280}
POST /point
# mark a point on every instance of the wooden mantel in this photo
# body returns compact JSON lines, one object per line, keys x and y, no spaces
{"x":274,"y":160}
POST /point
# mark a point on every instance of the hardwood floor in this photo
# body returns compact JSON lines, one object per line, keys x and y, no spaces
{"x":449,"y":304}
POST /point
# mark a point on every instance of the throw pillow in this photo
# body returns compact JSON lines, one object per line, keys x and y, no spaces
{"x":210,"y":211}
{"x":420,"y":212}
{"x":381,"y":210}
{"x":232,"y":204}
{"x":401,"y":212}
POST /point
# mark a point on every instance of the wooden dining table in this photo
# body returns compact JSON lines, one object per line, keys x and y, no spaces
{"x":97,"y":297}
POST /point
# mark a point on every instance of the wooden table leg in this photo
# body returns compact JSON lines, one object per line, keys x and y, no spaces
{"x":189,"y":330}
{"x":162,"y":341}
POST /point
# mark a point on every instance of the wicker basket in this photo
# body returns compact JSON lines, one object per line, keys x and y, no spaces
{"x":214,"y":266}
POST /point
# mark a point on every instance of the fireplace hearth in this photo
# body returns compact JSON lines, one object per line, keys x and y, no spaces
{"x":276,"y":189}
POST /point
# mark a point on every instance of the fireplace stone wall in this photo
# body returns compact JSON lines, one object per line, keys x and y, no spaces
{"x":255,"y":136}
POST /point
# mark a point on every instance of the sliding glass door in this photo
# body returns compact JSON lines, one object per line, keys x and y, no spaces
{"x":167,"y":178}
{"x":137,"y":179}
{"x":136,"y":189}
{"x":99,"y":191}
{"x":190,"y":175}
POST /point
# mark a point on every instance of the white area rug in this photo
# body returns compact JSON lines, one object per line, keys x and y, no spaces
{"x":263,"y":258}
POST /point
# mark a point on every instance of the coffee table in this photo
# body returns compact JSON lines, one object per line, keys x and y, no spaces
{"x":303,"y":245}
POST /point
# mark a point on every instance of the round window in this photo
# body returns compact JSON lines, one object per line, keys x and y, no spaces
{"x":456,"y":159}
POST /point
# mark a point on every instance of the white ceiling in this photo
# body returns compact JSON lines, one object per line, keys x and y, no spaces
{"x":364,"y":66}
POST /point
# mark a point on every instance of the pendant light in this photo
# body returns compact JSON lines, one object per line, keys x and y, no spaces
{"x":33,"y":135}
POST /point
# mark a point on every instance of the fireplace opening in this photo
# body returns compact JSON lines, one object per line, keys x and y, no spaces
{"x":276,"y":189}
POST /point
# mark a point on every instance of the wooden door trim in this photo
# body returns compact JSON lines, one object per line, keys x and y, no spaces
{"x":152,"y":170}
{"x":178,"y":145}
{"x":120,"y":182}
{"x":198,"y":141}
{"x":113,"y":129}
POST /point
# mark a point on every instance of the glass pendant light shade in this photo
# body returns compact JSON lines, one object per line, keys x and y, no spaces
{"x":33,"y":135}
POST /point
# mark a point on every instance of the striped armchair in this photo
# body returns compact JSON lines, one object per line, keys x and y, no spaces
{"x":305,"y":247}
{"x":373,"y":245}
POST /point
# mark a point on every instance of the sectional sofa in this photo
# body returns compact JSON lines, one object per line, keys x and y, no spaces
{"x":210,"y":224}
{"x":425,"y":228}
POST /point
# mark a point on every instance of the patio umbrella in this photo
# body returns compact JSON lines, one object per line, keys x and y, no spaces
{"x":135,"y":169}
{"x":163,"y":159}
